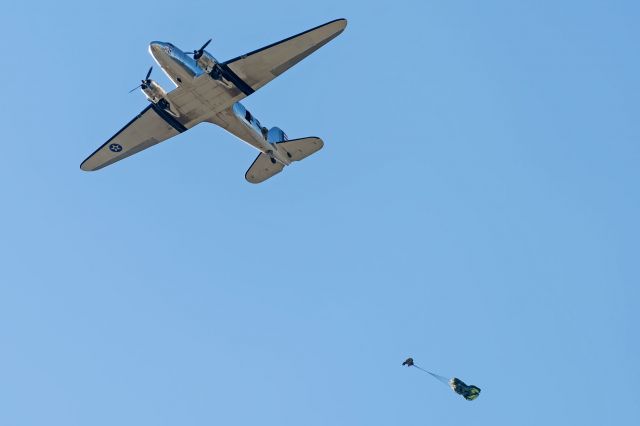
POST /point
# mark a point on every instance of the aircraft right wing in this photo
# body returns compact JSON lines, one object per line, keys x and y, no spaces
{"x":253,"y":70}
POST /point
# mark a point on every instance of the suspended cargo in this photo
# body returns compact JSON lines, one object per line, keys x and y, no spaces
{"x":469,"y":392}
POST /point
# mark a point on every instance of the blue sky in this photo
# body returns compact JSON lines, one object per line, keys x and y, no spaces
{"x":475,"y":206}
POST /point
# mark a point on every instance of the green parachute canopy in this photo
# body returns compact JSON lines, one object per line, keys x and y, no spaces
{"x":469,"y":392}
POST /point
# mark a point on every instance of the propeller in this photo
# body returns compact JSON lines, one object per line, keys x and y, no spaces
{"x":144,"y":83}
{"x":197,"y":54}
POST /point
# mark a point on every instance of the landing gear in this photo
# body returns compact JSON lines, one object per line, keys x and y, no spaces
{"x":215,"y":73}
{"x":162,"y":103}
{"x":166,"y":106}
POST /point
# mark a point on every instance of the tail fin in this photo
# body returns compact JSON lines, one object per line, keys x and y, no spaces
{"x":296,"y":149}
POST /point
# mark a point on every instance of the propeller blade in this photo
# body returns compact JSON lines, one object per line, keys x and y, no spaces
{"x":197,"y":54}
{"x":206,"y":44}
{"x":144,"y":83}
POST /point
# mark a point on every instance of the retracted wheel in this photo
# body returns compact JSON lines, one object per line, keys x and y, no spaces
{"x":273,"y":160}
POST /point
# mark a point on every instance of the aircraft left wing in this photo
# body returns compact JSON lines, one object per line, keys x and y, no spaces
{"x":153,"y":125}
{"x":253,"y":70}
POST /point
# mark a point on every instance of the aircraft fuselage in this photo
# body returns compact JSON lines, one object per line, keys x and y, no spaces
{"x":182,"y":69}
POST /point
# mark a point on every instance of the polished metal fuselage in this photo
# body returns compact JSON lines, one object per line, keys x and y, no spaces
{"x":184,"y":72}
{"x":177,"y":65}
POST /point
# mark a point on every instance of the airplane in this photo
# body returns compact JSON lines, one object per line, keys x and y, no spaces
{"x":210,"y":91}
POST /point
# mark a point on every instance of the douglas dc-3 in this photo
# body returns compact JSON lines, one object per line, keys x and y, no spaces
{"x":208,"y":90}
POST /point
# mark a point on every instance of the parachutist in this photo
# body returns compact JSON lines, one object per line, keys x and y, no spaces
{"x":408,"y":362}
{"x":469,"y":392}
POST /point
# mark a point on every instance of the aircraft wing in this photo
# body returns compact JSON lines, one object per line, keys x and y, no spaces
{"x":153,"y":125}
{"x":257,"y":68}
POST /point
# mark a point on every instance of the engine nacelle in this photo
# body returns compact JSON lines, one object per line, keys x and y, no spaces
{"x":275,"y":134}
{"x":207,"y":62}
{"x":156,"y":94}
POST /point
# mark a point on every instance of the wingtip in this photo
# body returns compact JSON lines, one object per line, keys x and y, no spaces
{"x":343,"y":23}
{"x":84,"y":168}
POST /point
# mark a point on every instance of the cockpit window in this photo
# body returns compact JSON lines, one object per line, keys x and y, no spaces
{"x":247,"y":116}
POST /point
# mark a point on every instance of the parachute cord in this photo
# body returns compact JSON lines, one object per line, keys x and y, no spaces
{"x":437,"y":376}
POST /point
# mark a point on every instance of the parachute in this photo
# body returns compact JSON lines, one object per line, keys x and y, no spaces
{"x":469,"y":392}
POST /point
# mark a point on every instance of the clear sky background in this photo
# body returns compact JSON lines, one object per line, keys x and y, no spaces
{"x":475,"y":206}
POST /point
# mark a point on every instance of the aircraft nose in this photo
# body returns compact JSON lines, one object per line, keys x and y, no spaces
{"x":155,"y":47}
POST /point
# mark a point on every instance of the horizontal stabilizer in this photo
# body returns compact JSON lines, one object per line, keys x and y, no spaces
{"x":262,"y":169}
{"x":301,"y":148}
{"x":297,"y":149}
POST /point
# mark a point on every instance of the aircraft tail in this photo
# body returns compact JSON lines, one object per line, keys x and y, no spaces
{"x":295,"y":150}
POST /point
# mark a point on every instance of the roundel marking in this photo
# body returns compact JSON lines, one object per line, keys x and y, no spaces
{"x":115,"y":147}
